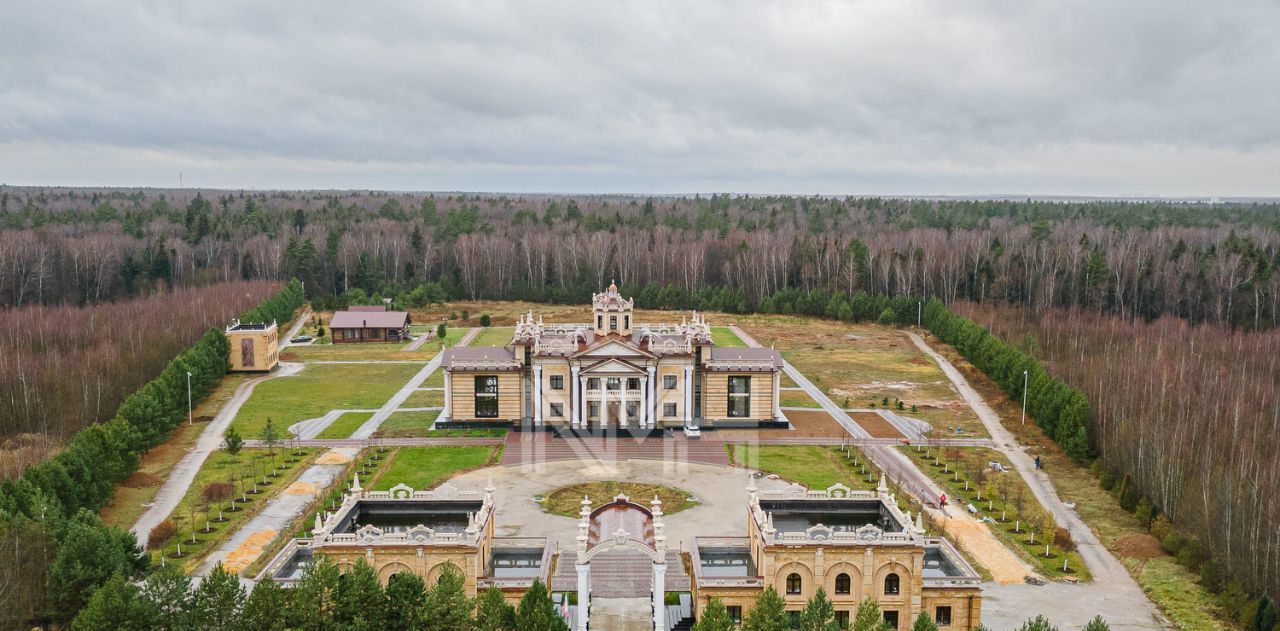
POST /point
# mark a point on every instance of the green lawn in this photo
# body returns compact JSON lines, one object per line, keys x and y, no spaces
{"x":425,"y":467}
{"x":345,"y":425}
{"x":813,"y":466}
{"x":796,"y":399}
{"x":468,"y":432}
{"x":494,"y":336}
{"x":318,"y":389}
{"x":240,"y":472}
{"x":424,"y":399}
{"x":407,"y":424}
{"x":725,"y":337}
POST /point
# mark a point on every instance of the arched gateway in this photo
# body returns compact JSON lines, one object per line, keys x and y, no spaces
{"x":621,"y":524}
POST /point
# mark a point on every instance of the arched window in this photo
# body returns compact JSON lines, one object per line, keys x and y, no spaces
{"x":842,"y":584}
{"x":793,"y":583}
{"x":891,"y":584}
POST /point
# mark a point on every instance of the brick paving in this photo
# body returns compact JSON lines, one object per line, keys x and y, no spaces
{"x":532,"y":447}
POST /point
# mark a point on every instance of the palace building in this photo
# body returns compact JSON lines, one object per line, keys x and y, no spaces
{"x":612,"y":372}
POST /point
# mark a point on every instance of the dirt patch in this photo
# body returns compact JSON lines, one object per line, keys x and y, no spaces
{"x":247,"y":552}
{"x":816,"y":424}
{"x":288,"y":357}
{"x":876,"y":425}
{"x":301,"y":488}
{"x":332,"y":457}
{"x":1138,"y":546}
{"x":141,"y":480}
{"x":981,"y":545}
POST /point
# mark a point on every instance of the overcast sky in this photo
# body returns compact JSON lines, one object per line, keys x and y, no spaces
{"x":1108,"y":97}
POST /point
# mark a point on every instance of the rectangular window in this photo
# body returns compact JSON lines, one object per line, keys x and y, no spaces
{"x":593,"y":409}
{"x":593,"y":383}
{"x":557,"y":409}
{"x":626,"y":321}
{"x":842,"y":619}
{"x":739,"y":397}
{"x":891,"y":619}
{"x":942,"y":616}
{"x":487,"y":396}
{"x":668,"y":409}
{"x":633,"y":383}
{"x":246,"y":352}
{"x":599,"y":322}
{"x":614,"y":384}
{"x":633,"y":410}
{"x":613,"y":323}
{"x":669,"y":382}
{"x":348,"y":334}
{"x":735,"y":614}
{"x":557,"y":382}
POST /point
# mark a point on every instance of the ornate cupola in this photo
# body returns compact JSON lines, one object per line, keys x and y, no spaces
{"x":612,"y":312}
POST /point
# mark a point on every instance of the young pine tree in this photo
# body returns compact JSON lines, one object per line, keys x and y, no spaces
{"x":406,"y":596}
{"x":819,"y":614}
{"x":1265,"y":617}
{"x":314,"y":602}
{"x":217,"y":602}
{"x":493,"y":613}
{"x":1038,"y":623}
{"x":868,"y":617}
{"x":360,"y":599}
{"x":714,"y":618}
{"x":768,"y":614}
{"x":537,"y":613}
{"x":168,"y":593}
{"x":447,"y":607}
{"x":924,"y":623}
{"x":265,"y":608}
{"x":1097,"y":624}
{"x":117,"y":605}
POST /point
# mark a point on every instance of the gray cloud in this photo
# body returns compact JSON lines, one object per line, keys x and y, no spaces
{"x":1089,"y":97}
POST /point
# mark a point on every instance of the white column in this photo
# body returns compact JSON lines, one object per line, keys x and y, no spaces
{"x":575,"y":396}
{"x":622,"y":403}
{"x":447,"y":414}
{"x":604,"y":402}
{"x":653,"y":397}
{"x":537,"y":395}
{"x":644,"y":403}
{"x":777,"y":391}
{"x":659,"y":594}
{"x":688,"y":395}
{"x":584,"y":594}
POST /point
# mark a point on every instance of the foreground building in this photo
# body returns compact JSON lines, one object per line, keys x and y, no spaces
{"x":854,"y":544}
{"x":369,"y":324}
{"x":254,"y":347}
{"x":612,"y":372}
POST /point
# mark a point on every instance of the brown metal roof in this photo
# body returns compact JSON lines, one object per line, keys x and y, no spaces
{"x":367,"y":308}
{"x":369,"y":320}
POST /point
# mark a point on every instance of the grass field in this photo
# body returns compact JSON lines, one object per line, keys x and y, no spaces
{"x":494,"y":336}
{"x":567,"y":500}
{"x":796,"y":399}
{"x":240,"y":471}
{"x":318,"y":389}
{"x":425,"y":467}
{"x":345,"y":425}
{"x":812,"y":466}
{"x":725,"y":337}
{"x":406,"y":424}
{"x":998,"y":496}
{"x":424,"y":399}
{"x":126,"y":505}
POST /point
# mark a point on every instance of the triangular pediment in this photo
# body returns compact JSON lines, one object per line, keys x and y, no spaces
{"x":611,"y":348}
{"x":613,"y":367}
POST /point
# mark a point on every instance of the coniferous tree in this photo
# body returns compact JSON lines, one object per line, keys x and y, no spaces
{"x":868,"y":617}
{"x":924,"y":623}
{"x":768,"y":614}
{"x":315,"y":600}
{"x":714,"y":618}
{"x":493,"y":613}
{"x":1038,"y":623}
{"x":1265,"y":617}
{"x":168,"y":593}
{"x":360,"y":599}
{"x":447,"y":607}
{"x":116,"y":606}
{"x":90,"y":554}
{"x":1097,"y":624}
{"x":267,"y":608}
{"x":819,"y":614}
{"x":536,"y":611}
{"x":406,"y":596}
{"x":217,"y":602}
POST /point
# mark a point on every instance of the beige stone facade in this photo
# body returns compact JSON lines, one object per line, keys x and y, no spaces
{"x":254,"y":347}
{"x":612,"y":372}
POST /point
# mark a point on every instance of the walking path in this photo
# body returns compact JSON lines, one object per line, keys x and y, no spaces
{"x":529,"y":448}
{"x":1112,"y":585}
{"x":246,"y":545}
{"x":370,"y":426}
{"x":293,"y":331}
{"x":184,"y":473}
{"x":311,"y":427}
{"x":971,"y":535}
{"x":417,"y":343}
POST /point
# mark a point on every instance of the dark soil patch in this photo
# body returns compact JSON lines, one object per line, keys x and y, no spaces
{"x":141,"y":480}
{"x":1138,"y":546}
{"x":876,"y":425}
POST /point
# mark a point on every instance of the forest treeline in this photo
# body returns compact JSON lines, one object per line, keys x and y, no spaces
{"x":65,"y":367}
{"x":54,"y":550}
{"x":1202,"y":262}
{"x":1186,"y":424}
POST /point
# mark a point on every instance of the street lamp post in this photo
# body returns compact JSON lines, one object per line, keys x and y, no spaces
{"x":190,"y":419}
{"x":1024,"y":397}
{"x":919,"y":312}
